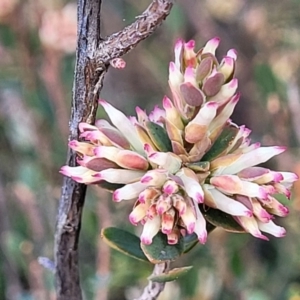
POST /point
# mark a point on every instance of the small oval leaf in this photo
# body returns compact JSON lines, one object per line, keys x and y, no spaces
{"x":124,"y":242}
{"x":213,"y":84}
{"x":110,"y":186}
{"x":171,"y":275}
{"x":159,"y":136}
{"x":190,"y":241}
{"x":220,"y":219}
{"x":200,"y":166}
{"x":204,"y":68}
{"x":160,"y":251}
{"x":222,"y":143}
{"x":192,"y":95}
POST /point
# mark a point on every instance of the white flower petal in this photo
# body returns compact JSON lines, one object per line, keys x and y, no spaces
{"x":124,"y":125}
{"x":150,"y":229}
{"x":249,"y":159}
{"x":227,"y":204}
{"x":272,"y":228}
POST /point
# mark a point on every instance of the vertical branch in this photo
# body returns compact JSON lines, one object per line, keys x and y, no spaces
{"x":88,"y":80}
{"x":93,"y":56}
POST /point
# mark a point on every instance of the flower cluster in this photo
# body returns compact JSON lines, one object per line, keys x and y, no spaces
{"x":186,"y":158}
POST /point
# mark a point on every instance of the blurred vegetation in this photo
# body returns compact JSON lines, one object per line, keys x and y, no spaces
{"x":37,"y":44}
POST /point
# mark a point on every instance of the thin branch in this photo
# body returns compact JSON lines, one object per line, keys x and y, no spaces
{"x":93,"y":56}
{"x":120,"y":43}
{"x":153,"y":289}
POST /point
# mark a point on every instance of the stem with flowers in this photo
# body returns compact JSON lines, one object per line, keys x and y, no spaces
{"x":185,"y":168}
{"x":93,"y":57}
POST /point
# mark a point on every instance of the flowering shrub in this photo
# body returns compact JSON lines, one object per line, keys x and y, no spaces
{"x":187,"y":162}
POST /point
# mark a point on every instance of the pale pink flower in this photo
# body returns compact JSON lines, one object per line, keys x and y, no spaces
{"x":188,"y":159}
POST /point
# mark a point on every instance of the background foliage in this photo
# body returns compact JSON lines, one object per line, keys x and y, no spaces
{"x":37,"y":43}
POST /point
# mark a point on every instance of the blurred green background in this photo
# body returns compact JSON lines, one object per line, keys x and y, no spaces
{"x":37,"y":44}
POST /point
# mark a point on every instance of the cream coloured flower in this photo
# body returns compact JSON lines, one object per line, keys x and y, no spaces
{"x":188,"y":158}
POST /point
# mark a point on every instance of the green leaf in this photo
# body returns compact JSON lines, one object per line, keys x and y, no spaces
{"x":110,"y":186}
{"x":159,"y":136}
{"x":200,"y":166}
{"x":160,"y":251}
{"x":170,"y":275}
{"x":190,"y":241}
{"x":124,"y":242}
{"x":222,"y":143}
{"x":220,"y":219}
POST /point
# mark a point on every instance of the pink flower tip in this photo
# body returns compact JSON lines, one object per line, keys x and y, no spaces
{"x":146,"y":179}
{"x":233,"y":83}
{"x":189,"y":73}
{"x":172,"y":67}
{"x":261,"y":236}
{"x":98,"y":175}
{"x":172,"y":241}
{"x":236,"y":98}
{"x":116,"y":196}
{"x":166,"y":231}
{"x":160,"y":210}
{"x":73,"y":143}
{"x":228,"y":60}
{"x":65,"y":170}
{"x":212,"y":104}
{"x":202,"y":238}
{"x":216,"y":39}
{"x":147,"y":147}
{"x":248,"y":213}
{"x":102,"y":102}
{"x":280,"y":149}
{"x":178,"y":43}
{"x":142,"y":199}
{"x":191,"y":227}
{"x":146,"y":240}
{"x":167,"y":102}
{"x":278,"y":177}
{"x":265,"y":216}
{"x":232,"y":53}
{"x":199,"y":198}
{"x":284,"y":210}
{"x":139,"y":110}
{"x":132,"y":220}
{"x":282,"y":232}
{"x":154,"y":155}
{"x":169,"y":189}
{"x":190,"y":44}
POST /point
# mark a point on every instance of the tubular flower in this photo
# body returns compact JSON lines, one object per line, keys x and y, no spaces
{"x":187,"y":159}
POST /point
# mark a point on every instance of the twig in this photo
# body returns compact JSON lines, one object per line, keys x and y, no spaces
{"x":120,"y":43}
{"x":153,"y":289}
{"x":93,"y":56}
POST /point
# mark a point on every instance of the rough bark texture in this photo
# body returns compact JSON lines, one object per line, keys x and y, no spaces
{"x":93,"y":56}
{"x":84,"y":107}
